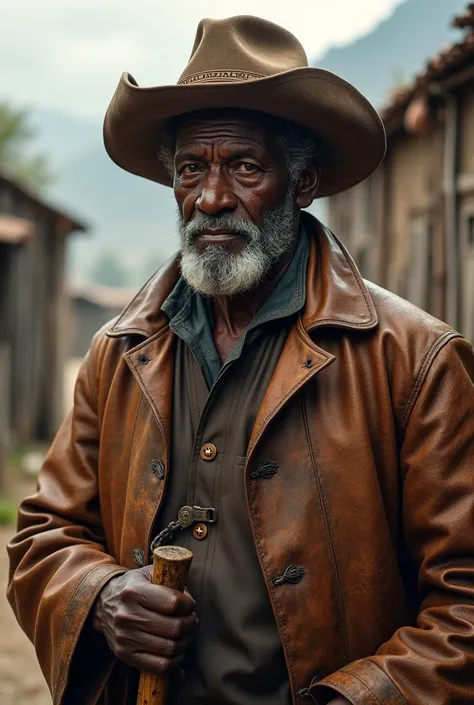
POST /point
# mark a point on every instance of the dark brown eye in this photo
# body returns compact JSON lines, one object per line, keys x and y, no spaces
{"x":190,"y":169}
{"x":246,"y":168}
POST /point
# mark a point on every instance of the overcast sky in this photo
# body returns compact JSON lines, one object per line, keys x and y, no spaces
{"x":69,"y":54}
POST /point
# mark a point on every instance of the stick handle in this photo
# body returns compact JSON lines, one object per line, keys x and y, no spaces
{"x":170,"y":568}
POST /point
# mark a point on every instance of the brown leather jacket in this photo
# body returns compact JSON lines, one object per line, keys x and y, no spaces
{"x":370,"y":416}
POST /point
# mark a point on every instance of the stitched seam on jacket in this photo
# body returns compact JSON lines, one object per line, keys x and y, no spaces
{"x":374,"y":666}
{"x":363,"y":683}
{"x":74,"y":632}
{"x":293,"y":390}
{"x":358,"y":279}
{"x":131,"y":450}
{"x":132,"y":443}
{"x":399,"y":695}
{"x":344,"y":690}
{"x":363,"y":291}
{"x":422,"y":374}
{"x":339,"y":600}
{"x":141,"y":383}
{"x":90,"y":378}
{"x":274,"y":601}
{"x":142,"y":386}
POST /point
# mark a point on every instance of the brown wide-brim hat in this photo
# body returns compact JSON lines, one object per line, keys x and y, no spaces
{"x":249,"y":63}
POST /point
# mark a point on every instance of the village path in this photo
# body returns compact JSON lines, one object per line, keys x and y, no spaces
{"x":21,"y":680}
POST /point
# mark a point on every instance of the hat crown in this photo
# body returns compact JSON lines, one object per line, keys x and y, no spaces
{"x":241,"y":48}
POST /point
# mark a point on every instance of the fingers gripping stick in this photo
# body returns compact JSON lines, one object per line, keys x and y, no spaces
{"x":170,"y":568}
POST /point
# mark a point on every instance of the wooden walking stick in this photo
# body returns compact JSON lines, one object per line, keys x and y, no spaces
{"x":170,"y":568}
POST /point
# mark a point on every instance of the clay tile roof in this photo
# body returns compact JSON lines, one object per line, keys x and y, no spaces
{"x":450,"y":58}
{"x":466,"y":20}
{"x":16,"y":231}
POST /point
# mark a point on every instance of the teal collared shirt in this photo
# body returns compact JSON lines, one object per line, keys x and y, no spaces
{"x":191,"y":315}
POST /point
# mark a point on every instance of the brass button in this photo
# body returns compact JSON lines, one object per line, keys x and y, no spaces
{"x":200,"y":531}
{"x":208,"y":451}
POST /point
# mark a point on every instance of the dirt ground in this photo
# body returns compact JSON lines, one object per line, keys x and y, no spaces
{"x":21,"y":680}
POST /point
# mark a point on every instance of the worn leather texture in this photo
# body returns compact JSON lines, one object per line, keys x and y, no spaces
{"x":370,"y":417}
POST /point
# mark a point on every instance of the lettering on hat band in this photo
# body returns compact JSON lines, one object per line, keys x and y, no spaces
{"x":219,"y":76}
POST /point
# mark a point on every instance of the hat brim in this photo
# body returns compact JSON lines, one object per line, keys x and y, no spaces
{"x":352,"y":132}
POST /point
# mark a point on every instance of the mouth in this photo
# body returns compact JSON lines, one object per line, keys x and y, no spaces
{"x":218,"y":236}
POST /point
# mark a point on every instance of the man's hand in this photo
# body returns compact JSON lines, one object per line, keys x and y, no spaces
{"x":147,"y":626}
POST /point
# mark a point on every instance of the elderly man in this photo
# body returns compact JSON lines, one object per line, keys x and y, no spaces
{"x":320,"y":428}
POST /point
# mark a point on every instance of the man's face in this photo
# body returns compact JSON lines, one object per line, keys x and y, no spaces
{"x":237,"y":208}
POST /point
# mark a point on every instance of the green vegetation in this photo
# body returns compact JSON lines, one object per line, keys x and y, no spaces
{"x":15,"y":157}
{"x":8,"y":510}
{"x":20,"y":457}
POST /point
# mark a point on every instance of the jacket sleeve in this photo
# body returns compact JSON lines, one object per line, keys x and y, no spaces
{"x":58,"y":558}
{"x":432,"y":661}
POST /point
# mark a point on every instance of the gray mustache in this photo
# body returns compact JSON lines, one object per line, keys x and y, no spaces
{"x":194,"y":228}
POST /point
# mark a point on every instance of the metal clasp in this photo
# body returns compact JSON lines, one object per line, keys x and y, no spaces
{"x":207,"y":514}
{"x":189,"y":515}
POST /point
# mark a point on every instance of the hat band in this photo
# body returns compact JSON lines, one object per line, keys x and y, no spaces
{"x":219,"y":76}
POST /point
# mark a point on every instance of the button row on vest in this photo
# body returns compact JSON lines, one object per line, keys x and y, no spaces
{"x":208,"y":451}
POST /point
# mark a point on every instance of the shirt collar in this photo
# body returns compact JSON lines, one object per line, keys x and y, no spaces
{"x":191,"y":316}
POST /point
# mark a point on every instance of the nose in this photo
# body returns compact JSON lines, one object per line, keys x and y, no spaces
{"x":216,"y":194}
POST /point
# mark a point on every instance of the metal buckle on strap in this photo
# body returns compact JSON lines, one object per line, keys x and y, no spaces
{"x":207,"y":514}
{"x":188,"y":515}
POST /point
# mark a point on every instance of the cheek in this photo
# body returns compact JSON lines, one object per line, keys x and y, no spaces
{"x":259,"y":199}
{"x":185,"y":202}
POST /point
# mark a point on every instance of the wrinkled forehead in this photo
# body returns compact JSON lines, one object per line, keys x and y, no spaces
{"x":241,"y":125}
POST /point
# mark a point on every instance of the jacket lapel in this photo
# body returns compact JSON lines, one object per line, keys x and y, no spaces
{"x":152,"y":365}
{"x":300,"y":360}
{"x":335,"y":296}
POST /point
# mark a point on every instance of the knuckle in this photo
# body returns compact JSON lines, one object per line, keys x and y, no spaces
{"x":120,"y":638}
{"x":163,"y":665}
{"x":128,"y":593}
{"x":120,"y":651}
{"x":172,"y":603}
{"x":121,"y":618}
{"x":176,"y":628}
{"x":169,"y":647}
{"x":123,"y":638}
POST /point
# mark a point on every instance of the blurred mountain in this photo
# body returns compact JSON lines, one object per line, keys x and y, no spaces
{"x":60,"y":135}
{"x":395,"y":49}
{"x":130,"y":216}
{"x":136,"y":218}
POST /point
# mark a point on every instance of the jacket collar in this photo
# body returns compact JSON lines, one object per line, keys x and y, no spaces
{"x":335,"y":292}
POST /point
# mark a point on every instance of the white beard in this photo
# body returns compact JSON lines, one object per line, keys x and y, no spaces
{"x":218,"y":272}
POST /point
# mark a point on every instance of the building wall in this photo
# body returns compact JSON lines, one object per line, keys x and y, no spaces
{"x":415,"y":196}
{"x":87,"y":317}
{"x":405,"y":233}
{"x":33,"y":309}
{"x":466,"y":209}
{"x":466,"y":101}
{"x":354,"y":217}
